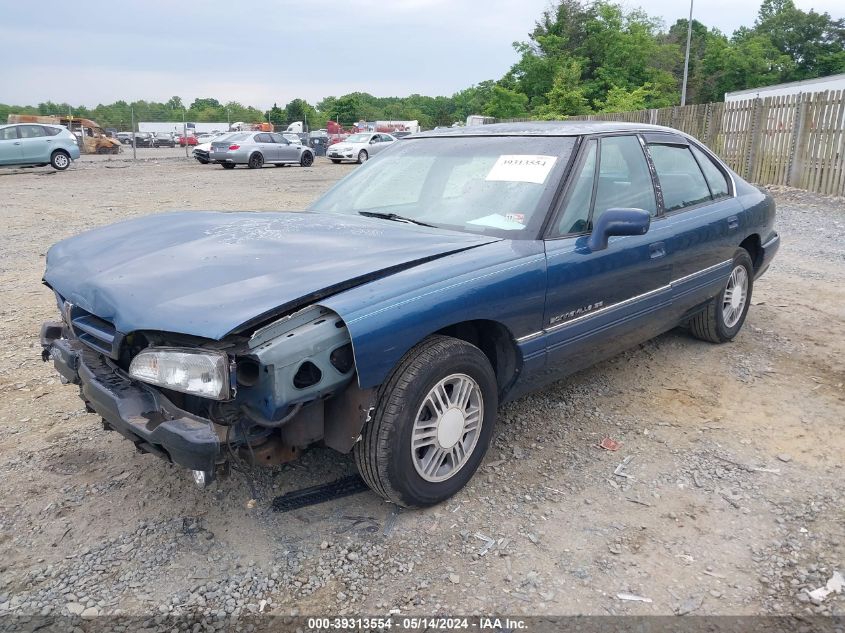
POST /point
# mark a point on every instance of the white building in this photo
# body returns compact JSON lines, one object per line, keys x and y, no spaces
{"x":808,"y":86}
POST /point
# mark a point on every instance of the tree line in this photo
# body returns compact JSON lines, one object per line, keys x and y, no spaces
{"x":582,"y":56}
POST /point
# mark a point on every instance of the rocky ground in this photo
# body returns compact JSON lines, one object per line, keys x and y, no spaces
{"x":730,"y":500}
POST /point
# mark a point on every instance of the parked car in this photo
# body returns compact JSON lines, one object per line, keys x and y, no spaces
{"x":164,"y":140}
{"x":202,"y":151}
{"x":144,"y":139}
{"x":37,"y":145}
{"x":255,"y":149}
{"x":125,"y":137}
{"x":393,"y":321}
{"x":359,"y":147}
{"x":188,"y":140}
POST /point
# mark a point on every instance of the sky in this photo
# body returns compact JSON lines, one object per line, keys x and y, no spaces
{"x":100,"y":51}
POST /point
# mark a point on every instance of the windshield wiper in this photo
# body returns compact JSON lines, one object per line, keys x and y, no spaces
{"x":395,"y":217}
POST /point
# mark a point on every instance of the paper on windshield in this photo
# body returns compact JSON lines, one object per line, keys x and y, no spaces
{"x":522,"y":168}
{"x":497,"y":221}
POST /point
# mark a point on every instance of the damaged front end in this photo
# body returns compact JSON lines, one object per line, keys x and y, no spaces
{"x":260,"y":398}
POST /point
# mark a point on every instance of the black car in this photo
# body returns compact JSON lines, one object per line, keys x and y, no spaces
{"x":164,"y":140}
{"x":144,"y":139}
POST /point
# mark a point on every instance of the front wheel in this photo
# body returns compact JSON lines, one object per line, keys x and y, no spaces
{"x":256,"y":161}
{"x":60,"y":160}
{"x":307,"y":159}
{"x":431,"y":425}
{"x":724,"y":315}
{"x":363,"y":156}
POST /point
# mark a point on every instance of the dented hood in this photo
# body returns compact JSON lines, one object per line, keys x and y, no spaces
{"x":212,"y":273}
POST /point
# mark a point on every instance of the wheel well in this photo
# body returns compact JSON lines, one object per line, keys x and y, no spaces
{"x":497,"y":343}
{"x":60,"y":151}
{"x":755,"y":250}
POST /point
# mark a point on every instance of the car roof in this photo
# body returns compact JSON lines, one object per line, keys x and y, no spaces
{"x":545,"y":128}
{"x":58,"y":125}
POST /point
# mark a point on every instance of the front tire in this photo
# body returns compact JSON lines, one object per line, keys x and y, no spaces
{"x":256,"y":161}
{"x":363,"y":156}
{"x":60,"y":160}
{"x":724,"y":315}
{"x":307,"y":159}
{"x":431,"y":424}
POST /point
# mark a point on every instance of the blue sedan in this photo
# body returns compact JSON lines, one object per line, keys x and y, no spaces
{"x":37,"y":144}
{"x":455,"y":271}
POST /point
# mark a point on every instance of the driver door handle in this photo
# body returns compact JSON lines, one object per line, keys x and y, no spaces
{"x":657,"y":250}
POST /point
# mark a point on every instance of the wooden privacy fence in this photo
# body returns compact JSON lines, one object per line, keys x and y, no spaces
{"x":795,"y":140}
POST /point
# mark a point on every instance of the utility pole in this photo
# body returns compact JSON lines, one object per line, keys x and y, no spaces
{"x":686,"y":57}
{"x":134,"y":150}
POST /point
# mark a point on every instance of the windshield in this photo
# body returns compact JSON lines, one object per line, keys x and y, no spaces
{"x":358,"y":138}
{"x":491,"y":185}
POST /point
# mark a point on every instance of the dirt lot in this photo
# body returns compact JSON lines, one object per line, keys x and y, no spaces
{"x":733,"y":503}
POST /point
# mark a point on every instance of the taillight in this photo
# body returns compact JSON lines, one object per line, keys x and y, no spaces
{"x":234,"y":147}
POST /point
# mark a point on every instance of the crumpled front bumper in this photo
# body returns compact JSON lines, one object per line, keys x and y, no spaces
{"x":140,"y":413}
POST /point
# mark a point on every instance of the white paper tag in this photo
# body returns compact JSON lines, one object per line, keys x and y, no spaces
{"x":522,"y":168}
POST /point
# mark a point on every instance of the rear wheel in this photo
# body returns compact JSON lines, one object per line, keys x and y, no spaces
{"x":363,"y":156}
{"x":228,"y":165}
{"x":60,"y":160}
{"x":724,"y":315}
{"x":256,"y":161}
{"x":307,"y":159}
{"x":431,"y":425}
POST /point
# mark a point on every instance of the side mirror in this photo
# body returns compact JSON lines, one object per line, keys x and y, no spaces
{"x":372,"y":141}
{"x":618,"y":222}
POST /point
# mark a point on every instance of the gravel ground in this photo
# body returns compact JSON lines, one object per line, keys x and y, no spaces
{"x":733,"y":503}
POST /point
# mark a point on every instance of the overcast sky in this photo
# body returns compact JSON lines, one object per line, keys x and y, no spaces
{"x":85,"y":53}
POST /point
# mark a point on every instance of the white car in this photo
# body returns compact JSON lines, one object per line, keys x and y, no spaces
{"x":359,"y":147}
{"x":203,"y":149}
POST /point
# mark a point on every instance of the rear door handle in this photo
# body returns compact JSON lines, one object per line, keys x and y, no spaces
{"x":658,"y":249}
{"x":733,"y":222}
{"x":17,"y":143}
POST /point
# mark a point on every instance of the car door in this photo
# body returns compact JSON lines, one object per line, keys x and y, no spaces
{"x":10,"y":146}
{"x":35,"y":144}
{"x":287,"y":151}
{"x":600,"y":302}
{"x":701,"y":215}
{"x":268,"y":148}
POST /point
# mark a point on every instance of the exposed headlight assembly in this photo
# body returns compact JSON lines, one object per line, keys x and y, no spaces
{"x":197,"y":372}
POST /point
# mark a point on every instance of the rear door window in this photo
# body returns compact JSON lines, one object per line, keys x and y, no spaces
{"x":31,"y":131}
{"x":680,"y":177}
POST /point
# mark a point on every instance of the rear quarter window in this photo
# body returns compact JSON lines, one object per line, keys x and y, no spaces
{"x":715,"y":177}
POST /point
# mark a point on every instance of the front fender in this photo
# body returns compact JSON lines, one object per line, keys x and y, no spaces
{"x":503,"y":282}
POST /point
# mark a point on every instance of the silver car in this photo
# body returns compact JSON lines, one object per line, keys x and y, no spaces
{"x":36,"y":144}
{"x":359,"y":147}
{"x":255,"y":149}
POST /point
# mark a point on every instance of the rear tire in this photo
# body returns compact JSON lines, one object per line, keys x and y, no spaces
{"x":256,"y":161}
{"x":724,"y":315}
{"x":431,"y":424}
{"x":60,"y":160}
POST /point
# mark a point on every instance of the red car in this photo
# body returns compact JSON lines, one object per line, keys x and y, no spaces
{"x":187,"y":140}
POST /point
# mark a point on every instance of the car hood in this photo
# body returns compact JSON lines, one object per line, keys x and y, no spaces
{"x":209,"y":274}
